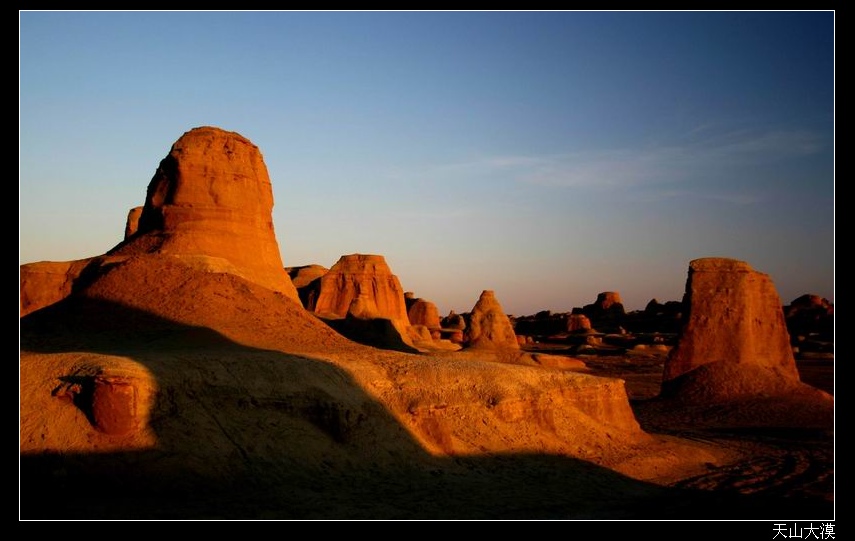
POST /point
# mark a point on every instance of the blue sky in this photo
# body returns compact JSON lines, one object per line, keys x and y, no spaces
{"x":548,"y":156}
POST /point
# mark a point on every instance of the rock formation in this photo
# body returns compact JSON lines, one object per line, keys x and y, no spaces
{"x":453,"y":327}
{"x":578,"y":323}
{"x":133,"y":221}
{"x":734,"y":341}
{"x":210,"y":204}
{"x":307,"y":280}
{"x":607,"y":299}
{"x":47,"y":282}
{"x":606,"y":311}
{"x":489,"y":326}
{"x":358,"y":275}
{"x":810,"y":322}
{"x":306,"y":274}
{"x":423,"y":312}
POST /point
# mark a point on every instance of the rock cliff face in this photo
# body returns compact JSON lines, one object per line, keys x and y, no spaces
{"x":361,"y":275}
{"x":489,"y":326}
{"x":734,"y":341}
{"x":210,"y":203}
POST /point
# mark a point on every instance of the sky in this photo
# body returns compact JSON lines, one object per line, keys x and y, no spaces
{"x":547,"y":156}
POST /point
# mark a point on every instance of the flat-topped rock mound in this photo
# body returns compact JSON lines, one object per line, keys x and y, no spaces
{"x":361,"y":275}
{"x":734,"y":345}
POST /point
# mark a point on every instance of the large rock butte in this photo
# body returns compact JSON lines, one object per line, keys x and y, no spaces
{"x":210,"y":203}
{"x":734,"y":341}
{"x":489,"y":326}
{"x":208,"y":207}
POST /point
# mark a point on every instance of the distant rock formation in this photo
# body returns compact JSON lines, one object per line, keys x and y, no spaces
{"x":810,"y":322}
{"x":489,"y":326}
{"x":307,"y":280}
{"x":210,"y":204}
{"x":578,"y":323}
{"x":608,"y":299}
{"x":606,"y":312}
{"x":734,"y":326}
{"x":358,"y":275}
{"x":424,"y":312}
{"x":453,"y":327}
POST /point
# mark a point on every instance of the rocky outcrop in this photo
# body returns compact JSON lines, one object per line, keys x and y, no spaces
{"x":453,"y":327}
{"x":210,"y":205}
{"x":734,"y":319}
{"x":363,"y":275}
{"x":810,"y":322}
{"x":489,"y":326}
{"x":423,"y":312}
{"x":606,"y":312}
{"x":307,"y":280}
{"x":578,"y":323}
{"x":133,"y":222}
{"x":608,"y":299}
{"x":47,"y":282}
{"x":305,"y":275}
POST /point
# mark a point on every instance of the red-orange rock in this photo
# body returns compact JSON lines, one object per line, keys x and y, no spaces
{"x":489,"y":326}
{"x":423,"y":312}
{"x":114,"y":405}
{"x":133,"y":221}
{"x":307,"y":280}
{"x":607,"y":299}
{"x":47,"y":282}
{"x":361,"y":275}
{"x":578,"y":323}
{"x":210,"y":203}
{"x":306,"y":274}
{"x":735,"y":317}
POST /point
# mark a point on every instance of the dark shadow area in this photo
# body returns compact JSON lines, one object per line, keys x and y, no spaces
{"x":249,"y":433}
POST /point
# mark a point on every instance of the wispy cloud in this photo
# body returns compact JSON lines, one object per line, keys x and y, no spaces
{"x":658,"y":169}
{"x":668,"y":164}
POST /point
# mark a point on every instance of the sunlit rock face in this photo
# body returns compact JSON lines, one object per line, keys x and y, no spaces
{"x":210,"y":202}
{"x":46,"y":282}
{"x":133,"y":222}
{"x":489,"y":326}
{"x":734,"y":319}
{"x":424,"y":312}
{"x":366,"y":277}
{"x":578,"y":323}
{"x":607,"y":299}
